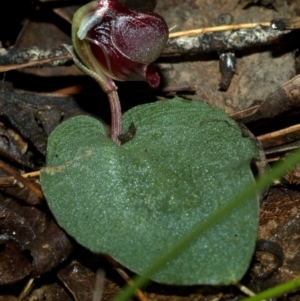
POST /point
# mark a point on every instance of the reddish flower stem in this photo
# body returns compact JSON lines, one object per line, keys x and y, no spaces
{"x":116,"y":116}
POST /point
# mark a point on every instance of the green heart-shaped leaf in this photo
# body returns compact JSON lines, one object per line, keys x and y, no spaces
{"x":136,"y":200}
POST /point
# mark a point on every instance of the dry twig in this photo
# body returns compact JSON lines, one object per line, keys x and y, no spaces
{"x":202,"y":40}
{"x":282,"y":132}
{"x":128,"y":280}
{"x":7,"y":169}
{"x":216,"y":28}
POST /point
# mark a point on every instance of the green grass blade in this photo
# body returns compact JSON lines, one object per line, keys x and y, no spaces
{"x":248,"y":192}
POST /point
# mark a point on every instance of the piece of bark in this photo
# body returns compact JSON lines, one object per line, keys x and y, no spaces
{"x":13,"y":146}
{"x":48,"y":117}
{"x":79,"y":280}
{"x":48,"y":249}
{"x":21,"y":117}
{"x":283,"y":99}
{"x":22,"y":194}
{"x":14,"y":265}
{"x":21,"y":109}
{"x":35,"y":232}
{"x":48,"y":292}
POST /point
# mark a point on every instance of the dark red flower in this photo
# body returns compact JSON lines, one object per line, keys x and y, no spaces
{"x":123,"y":42}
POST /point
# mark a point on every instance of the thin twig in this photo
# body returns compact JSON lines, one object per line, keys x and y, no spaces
{"x":99,"y":285}
{"x":8,"y":181}
{"x":26,"y":290}
{"x":240,"y":115}
{"x":279,"y":133}
{"x":244,"y":289}
{"x":15,"y":66}
{"x":8,"y":170}
{"x":17,"y":58}
{"x":32,"y":174}
{"x":128,"y":280}
{"x":215,"y":29}
{"x":283,"y":148}
{"x":220,"y":41}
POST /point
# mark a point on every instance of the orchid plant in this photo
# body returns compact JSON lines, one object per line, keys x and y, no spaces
{"x":154,"y":191}
{"x":113,"y":42}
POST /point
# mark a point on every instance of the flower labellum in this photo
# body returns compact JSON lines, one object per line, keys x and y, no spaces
{"x":119,"y":43}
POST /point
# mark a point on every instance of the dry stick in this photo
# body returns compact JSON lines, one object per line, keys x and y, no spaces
{"x":234,"y":37}
{"x":283,"y":148}
{"x":124,"y":275}
{"x":62,"y":14}
{"x":99,"y":285}
{"x":8,"y":181}
{"x":71,"y":90}
{"x":26,"y":290}
{"x":244,"y":289}
{"x":216,"y":28}
{"x":33,"y":63}
{"x":270,"y":160}
{"x":245,"y":113}
{"x":222,"y":41}
{"x":8,"y":170}
{"x":32,"y":174}
{"x":16,"y":58}
{"x":285,"y":131}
